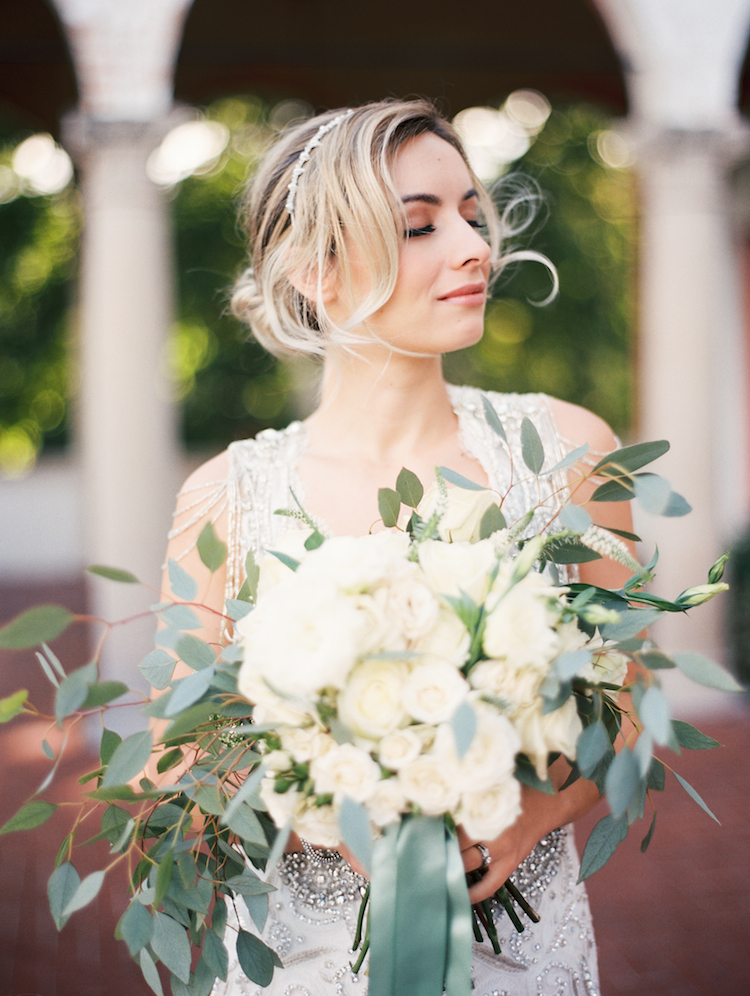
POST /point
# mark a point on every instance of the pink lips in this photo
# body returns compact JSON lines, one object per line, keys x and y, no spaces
{"x":468,"y":294}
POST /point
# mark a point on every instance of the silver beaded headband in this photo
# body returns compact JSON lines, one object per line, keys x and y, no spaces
{"x":304,"y":157}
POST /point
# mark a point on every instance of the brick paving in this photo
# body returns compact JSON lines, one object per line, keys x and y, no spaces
{"x":672,"y":922}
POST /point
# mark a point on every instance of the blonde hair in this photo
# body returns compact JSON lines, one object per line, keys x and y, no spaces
{"x":347,"y":187}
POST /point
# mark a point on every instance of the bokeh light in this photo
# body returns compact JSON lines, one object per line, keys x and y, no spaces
{"x":192,"y":147}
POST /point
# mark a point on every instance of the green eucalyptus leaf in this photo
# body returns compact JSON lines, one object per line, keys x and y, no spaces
{"x":656,"y":775}
{"x":187,"y":691}
{"x":572,"y":458}
{"x":492,"y":520}
{"x":109,"y":743}
{"x":34,"y":626}
{"x":285,"y":559}
{"x":12,"y":705}
{"x":211,"y":549}
{"x":601,"y":845}
{"x":622,"y":781}
{"x":48,"y":669}
{"x":254,"y":958}
{"x":409,"y":488}
{"x":73,"y":691}
{"x":102,"y":692}
{"x":453,"y":477}
{"x":136,"y":927}
{"x":389,"y":506}
{"x":464,"y":726}
{"x":157,"y":668}
{"x":86,"y":892}
{"x":630,"y":458}
{"x":575,"y":518}
{"x":593,"y":744}
{"x":163,"y":878}
{"x":196,"y":653}
{"x":169,"y":759}
{"x":614,"y":491}
{"x":48,"y":752}
{"x":655,"y":660}
{"x":676,"y":506}
{"x":179,"y":616}
{"x":215,"y":955}
{"x":653,"y":492}
{"x":61,"y":888}
{"x":245,"y":823}
{"x":694,"y":795}
{"x":189,"y":721}
{"x":525,"y":772}
{"x":647,"y":839}
{"x":257,"y":907}
{"x":631,"y":623}
{"x":183,"y":585}
{"x":252,"y":575}
{"x":113,"y":574}
{"x":32,"y":814}
{"x":654,"y":714}
{"x":219,"y":918}
{"x":354,"y":824}
{"x":690,"y":738}
{"x":197,"y":896}
{"x":532,"y":450}
{"x":149,"y":972}
{"x":128,"y":760}
{"x":170,"y":944}
{"x":114,"y":821}
{"x":492,"y":418}
{"x":705,"y":671}
{"x":569,"y":551}
{"x":237,"y":608}
{"x":248,"y":884}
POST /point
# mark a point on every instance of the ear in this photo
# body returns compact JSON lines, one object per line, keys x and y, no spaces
{"x":306,"y":282}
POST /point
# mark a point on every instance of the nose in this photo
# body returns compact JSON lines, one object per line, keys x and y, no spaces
{"x":471,"y":248}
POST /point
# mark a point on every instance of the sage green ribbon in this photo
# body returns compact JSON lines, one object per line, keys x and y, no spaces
{"x":420,"y":916}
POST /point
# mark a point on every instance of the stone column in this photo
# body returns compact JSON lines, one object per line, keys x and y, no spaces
{"x":692,"y":362}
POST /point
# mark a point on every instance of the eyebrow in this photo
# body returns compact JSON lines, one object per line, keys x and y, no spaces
{"x":434,"y":199}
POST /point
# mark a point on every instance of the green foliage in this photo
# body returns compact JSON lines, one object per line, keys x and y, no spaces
{"x":35,"y":626}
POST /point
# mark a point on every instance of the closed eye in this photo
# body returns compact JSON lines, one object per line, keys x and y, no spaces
{"x":414,"y":233}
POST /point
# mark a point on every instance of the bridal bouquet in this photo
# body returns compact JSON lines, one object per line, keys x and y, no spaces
{"x":376,"y":692}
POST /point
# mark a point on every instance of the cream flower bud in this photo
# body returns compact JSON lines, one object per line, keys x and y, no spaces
{"x":701,"y":593}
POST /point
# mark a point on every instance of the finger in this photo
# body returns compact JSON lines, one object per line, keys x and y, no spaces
{"x":471,"y":857}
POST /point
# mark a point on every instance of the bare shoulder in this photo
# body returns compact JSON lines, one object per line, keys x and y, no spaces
{"x":210,"y":474}
{"x":578,"y":425}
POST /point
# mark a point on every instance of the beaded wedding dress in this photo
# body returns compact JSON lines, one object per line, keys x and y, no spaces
{"x":313,"y":912}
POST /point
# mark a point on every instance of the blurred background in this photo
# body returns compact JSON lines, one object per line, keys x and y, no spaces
{"x":127,"y":131}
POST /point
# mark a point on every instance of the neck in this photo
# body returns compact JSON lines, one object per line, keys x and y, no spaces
{"x":386,"y":408}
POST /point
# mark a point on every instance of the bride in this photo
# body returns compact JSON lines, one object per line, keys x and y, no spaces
{"x":373,"y":246}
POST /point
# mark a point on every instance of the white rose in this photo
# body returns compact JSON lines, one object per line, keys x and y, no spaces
{"x":318,"y":824}
{"x":272,"y":570}
{"x":387,"y":802}
{"x":430,"y":784}
{"x":399,"y":748}
{"x":370,"y":704}
{"x":412,"y":606}
{"x":554,"y":731}
{"x":357,"y":563}
{"x":484,"y":815}
{"x":519,"y":626}
{"x":491,"y":756}
{"x":448,"y":639}
{"x":518,"y":687}
{"x":302,"y":637}
{"x":281,"y":805}
{"x":345,"y":770}
{"x":463,"y":513}
{"x":378,"y":630}
{"x":433,"y":690}
{"x":451,"y":568}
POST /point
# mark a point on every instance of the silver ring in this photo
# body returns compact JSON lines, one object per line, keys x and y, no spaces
{"x":486,"y":856}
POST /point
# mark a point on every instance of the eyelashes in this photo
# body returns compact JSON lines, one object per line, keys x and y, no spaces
{"x":415,"y":233}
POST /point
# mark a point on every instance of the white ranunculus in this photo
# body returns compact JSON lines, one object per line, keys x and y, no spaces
{"x":433,"y":690}
{"x":451,"y":568}
{"x":399,"y":748}
{"x":430,"y":784}
{"x":387,"y":802}
{"x":305,"y":742}
{"x":412,"y":605}
{"x":272,"y":570}
{"x":318,"y":825}
{"x":357,"y":563}
{"x":449,"y":639}
{"x":345,"y":770}
{"x":484,"y":815}
{"x":370,"y":704}
{"x":552,"y":732}
{"x":302,"y":637}
{"x":463,"y":512}
{"x":281,"y":805}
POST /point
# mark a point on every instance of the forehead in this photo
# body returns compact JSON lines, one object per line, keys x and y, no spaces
{"x":428,"y":164}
